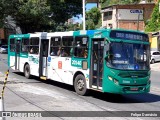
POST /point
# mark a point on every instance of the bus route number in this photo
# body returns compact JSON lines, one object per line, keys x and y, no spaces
{"x":76,"y":62}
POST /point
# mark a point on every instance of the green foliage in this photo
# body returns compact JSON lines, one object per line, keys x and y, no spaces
{"x":1,"y":14}
{"x":46,"y":15}
{"x":90,"y":24}
{"x":112,"y":2}
{"x":62,"y":10}
{"x":74,"y":27}
{"x":40,"y":15}
{"x":99,"y":23}
{"x":154,"y":23}
{"x":93,"y":14}
{"x":93,"y":17}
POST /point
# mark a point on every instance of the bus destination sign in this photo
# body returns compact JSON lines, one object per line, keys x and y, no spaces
{"x":125,"y":35}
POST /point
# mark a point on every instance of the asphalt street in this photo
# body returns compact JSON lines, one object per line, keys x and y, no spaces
{"x":23,"y":94}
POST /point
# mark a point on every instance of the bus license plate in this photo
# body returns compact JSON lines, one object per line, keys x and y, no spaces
{"x":134,"y":89}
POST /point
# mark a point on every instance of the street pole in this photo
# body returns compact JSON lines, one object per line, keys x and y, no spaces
{"x":84,"y":14}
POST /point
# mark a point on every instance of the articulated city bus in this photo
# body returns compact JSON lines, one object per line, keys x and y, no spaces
{"x":113,"y":61}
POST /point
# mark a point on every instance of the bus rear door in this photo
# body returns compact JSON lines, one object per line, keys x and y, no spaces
{"x":43,"y":58}
{"x":17,"y":53}
{"x":97,"y":63}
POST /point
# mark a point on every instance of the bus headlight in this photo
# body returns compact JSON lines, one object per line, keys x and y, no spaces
{"x":110,"y":78}
{"x":115,"y":81}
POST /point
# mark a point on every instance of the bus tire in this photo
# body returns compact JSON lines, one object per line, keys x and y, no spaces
{"x":80,"y":85}
{"x":27,"y":71}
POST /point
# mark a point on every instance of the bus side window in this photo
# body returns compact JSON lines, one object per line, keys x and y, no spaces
{"x":25,"y":45}
{"x":81,"y":47}
{"x":34,"y":45}
{"x":54,"y":45}
{"x":67,"y":43}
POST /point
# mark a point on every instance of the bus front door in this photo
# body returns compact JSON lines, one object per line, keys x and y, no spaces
{"x":97,"y":63}
{"x":17,"y":54}
{"x":43,"y":58}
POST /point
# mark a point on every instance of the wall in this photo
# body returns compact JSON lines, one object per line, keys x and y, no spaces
{"x":154,"y":43}
{"x":2,"y":36}
{"x":127,"y":22}
{"x":111,"y":20}
{"x":133,"y":25}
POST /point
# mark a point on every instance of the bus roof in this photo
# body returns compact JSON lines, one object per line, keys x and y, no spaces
{"x":19,"y":36}
{"x":72,"y":33}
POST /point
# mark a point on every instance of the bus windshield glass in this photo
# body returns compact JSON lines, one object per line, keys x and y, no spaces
{"x":128,"y":56}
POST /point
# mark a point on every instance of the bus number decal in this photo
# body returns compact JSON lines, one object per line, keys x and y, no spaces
{"x":76,"y":63}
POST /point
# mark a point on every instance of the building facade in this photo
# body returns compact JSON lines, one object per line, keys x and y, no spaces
{"x":132,"y":16}
{"x":155,"y":41}
{"x":2,"y":36}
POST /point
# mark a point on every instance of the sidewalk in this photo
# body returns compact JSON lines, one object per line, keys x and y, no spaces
{"x":155,"y":66}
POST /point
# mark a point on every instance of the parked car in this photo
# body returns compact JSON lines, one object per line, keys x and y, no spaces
{"x":4,"y":49}
{"x":155,"y":56}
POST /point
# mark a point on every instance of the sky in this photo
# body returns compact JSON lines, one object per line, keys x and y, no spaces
{"x":88,"y":7}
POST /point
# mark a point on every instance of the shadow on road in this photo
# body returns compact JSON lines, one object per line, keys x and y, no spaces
{"x":50,"y":82}
{"x":130,"y":98}
{"x":108,"y":97}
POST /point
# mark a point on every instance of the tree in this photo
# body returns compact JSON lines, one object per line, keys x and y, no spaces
{"x":29,"y":15}
{"x":90,"y":24}
{"x":40,"y":15}
{"x":62,"y":10}
{"x":154,"y":23}
{"x":112,"y":2}
{"x":150,"y":1}
{"x":93,"y":17}
{"x":1,"y":13}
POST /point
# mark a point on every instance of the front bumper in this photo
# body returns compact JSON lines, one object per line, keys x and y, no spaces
{"x":120,"y":89}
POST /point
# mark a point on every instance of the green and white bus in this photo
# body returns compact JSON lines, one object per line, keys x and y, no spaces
{"x":108,"y":60}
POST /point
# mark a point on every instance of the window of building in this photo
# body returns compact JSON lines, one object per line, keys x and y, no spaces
{"x":12,"y":45}
{"x":34,"y":45}
{"x":81,"y":47}
{"x":55,"y":45}
{"x":107,"y":15}
{"x":25,"y":45}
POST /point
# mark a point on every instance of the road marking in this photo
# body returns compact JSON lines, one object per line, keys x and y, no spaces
{"x":155,"y":67}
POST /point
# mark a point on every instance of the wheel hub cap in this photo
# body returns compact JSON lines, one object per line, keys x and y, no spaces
{"x":80,"y":84}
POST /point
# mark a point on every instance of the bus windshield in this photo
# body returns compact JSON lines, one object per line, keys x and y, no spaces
{"x":128,"y":56}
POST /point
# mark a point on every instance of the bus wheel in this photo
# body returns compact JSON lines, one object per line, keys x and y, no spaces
{"x":80,"y":85}
{"x":27,"y":71}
